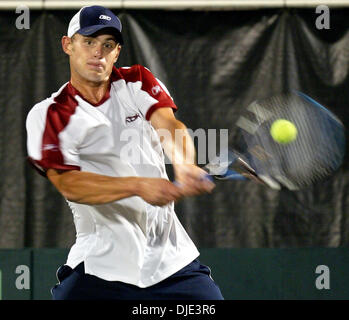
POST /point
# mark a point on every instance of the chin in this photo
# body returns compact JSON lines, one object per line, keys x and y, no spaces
{"x":96,"y":78}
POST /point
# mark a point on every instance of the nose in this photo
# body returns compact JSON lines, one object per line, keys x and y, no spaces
{"x":98,"y":51}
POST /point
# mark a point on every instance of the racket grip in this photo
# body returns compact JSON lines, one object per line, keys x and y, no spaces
{"x":233,"y":175}
{"x":229,"y":175}
{"x":208,"y":177}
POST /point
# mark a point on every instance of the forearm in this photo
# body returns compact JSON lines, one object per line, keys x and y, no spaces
{"x":91,"y":188}
{"x":177,"y":143}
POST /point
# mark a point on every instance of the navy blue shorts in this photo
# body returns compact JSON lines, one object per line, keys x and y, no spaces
{"x":193,"y":282}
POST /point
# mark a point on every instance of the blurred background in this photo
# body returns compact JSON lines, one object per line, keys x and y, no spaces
{"x":215,"y":57}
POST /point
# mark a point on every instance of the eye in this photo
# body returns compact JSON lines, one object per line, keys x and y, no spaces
{"x":88,"y":41}
{"x":109,"y":45}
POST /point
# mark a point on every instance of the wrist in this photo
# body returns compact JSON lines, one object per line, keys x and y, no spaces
{"x":133,"y":186}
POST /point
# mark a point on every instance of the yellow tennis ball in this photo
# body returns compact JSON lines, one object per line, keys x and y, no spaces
{"x":283,"y":131}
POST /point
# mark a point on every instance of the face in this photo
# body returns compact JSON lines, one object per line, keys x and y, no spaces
{"x":91,"y":57}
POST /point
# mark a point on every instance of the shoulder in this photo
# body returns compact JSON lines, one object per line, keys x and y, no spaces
{"x":134,"y":73}
{"x":38,"y":111}
{"x":60,"y":101}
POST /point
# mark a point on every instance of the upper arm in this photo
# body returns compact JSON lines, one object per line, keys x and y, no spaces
{"x":63,"y":180}
{"x":161,"y":118}
{"x":50,"y":142}
{"x":149,"y":93}
{"x":56,"y":176}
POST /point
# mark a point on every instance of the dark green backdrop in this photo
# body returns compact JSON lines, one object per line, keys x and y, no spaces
{"x":257,"y":274}
{"x":214,"y":64}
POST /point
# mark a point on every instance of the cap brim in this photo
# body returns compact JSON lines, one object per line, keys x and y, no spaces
{"x":88,"y":31}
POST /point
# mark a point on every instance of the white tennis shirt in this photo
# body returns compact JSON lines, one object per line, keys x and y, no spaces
{"x":128,"y":240}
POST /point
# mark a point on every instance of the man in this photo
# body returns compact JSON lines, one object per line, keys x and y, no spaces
{"x":97,"y":139}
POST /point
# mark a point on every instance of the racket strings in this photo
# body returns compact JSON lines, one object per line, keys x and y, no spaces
{"x":316,"y":152}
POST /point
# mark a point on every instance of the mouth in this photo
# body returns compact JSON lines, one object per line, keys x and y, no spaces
{"x":95,"y":66}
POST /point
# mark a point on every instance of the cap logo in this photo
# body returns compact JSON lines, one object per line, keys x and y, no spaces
{"x":102,"y":16}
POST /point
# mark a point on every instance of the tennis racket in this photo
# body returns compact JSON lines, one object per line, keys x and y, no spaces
{"x":315,"y":154}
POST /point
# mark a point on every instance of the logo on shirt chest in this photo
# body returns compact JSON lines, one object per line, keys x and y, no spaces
{"x":132,"y":118}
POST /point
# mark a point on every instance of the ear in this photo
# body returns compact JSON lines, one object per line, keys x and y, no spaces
{"x":117,"y":53}
{"x":67,"y":45}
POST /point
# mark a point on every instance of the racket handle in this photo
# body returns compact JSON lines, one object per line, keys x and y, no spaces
{"x":208,"y":177}
{"x":229,"y":175}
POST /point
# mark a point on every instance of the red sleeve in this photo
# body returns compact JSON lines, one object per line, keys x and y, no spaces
{"x":157,"y":90}
{"x":45,"y":149}
{"x":152,"y":94}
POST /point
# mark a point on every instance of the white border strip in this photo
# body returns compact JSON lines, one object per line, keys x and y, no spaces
{"x":171,"y":4}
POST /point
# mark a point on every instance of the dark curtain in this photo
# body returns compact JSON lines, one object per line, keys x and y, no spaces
{"x":214,"y":64}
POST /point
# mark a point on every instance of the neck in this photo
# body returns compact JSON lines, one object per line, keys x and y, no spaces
{"x":93,"y":92}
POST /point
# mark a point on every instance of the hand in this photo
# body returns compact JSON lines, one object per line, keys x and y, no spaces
{"x":192,"y":180}
{"x":157,"y":191}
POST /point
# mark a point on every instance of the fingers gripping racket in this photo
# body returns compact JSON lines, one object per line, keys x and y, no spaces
{"x":309,"y":148}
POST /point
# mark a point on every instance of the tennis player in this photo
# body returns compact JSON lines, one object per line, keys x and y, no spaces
{"x":97,"y":140}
